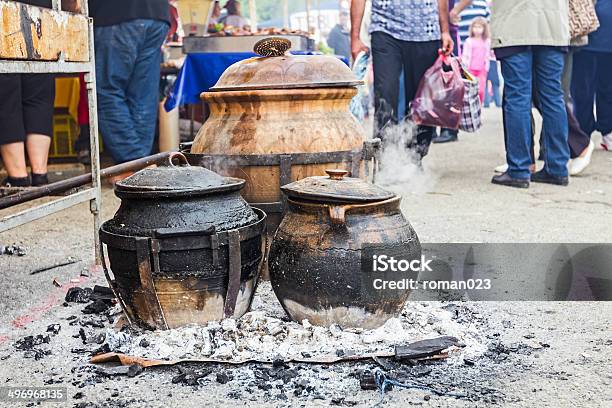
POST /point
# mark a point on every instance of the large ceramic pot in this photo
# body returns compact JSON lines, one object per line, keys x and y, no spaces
{"x":278,"y":119}
{"x":315,"y":261}
{"x":184,"y":247}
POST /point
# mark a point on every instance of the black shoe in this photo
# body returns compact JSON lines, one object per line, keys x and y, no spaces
{"x":16,"y":182}
{"x":506,"y":180}
{"x":446,"y":135}
{"x":543,"y":177}
{"x":39,"y":179}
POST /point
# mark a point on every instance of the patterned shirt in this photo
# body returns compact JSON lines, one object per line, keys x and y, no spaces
{"x":406,"y":20}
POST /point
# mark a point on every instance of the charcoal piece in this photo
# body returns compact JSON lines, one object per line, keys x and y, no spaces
{"x":54,"y":328}
{"x":96,"y":307}
{"x":102,"y":293}
{"x":28,"y":342}
{"x":130,"y":371}
{"x":425,"y":348}
{"x":78,"y":295}
{"x":223,"y":377}
{"x":367,"y":381}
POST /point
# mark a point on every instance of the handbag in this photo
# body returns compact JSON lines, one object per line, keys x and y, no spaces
{"x":471,"y":112}
{"x":582,"y":18}
{"x":439,"y":98}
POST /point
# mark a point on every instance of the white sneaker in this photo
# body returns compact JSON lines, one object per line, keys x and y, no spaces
{"x":606,"y":142}
{"x":502,"y":168}
{"x":580,"y":163}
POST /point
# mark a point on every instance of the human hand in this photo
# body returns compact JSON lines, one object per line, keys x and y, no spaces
{"x":357,"y":46}
{"x":454,"y":16}
{"x":447,"y":43}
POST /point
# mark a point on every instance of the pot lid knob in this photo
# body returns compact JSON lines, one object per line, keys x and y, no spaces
{"x":272,"y":47}
{"x":336,"y":174}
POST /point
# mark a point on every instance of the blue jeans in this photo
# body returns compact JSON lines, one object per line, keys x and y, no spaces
{"x":128,"y":56}
{"x":493,"y":77}
{"x":542,"y":67}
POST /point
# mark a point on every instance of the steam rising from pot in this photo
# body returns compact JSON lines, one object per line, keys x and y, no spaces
{"x":401,"y":169}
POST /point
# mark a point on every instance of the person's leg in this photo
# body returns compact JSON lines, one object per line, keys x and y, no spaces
{"x":418,"y":57}
{"x":38,"y":99}
{"x":482,"y":85}
{"x":604,"y":93}
{"x":143,"y":89}
{"x":583,"y":89}
{"x":116,"y":52}
{"x":517,"y":72}
{"x":548,"y":64}
{"x":12,"y":131}
{"x":387,"y":65}
{"x":578,"y":141}
{"x":497,"y":97}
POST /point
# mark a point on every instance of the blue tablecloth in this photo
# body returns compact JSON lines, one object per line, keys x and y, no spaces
{"x":201,"y":71}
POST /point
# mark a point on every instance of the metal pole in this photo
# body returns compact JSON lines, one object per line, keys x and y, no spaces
{"x":253,"y":15}
{"x":319,"y":16}
{"x":308,"y":16}
{"x":286,"y":21}
{"x":95,"y":205}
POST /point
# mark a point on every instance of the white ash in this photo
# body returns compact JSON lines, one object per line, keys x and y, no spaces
{"x":262,"y":334}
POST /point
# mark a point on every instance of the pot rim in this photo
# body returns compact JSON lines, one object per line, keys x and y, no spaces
{"x":235,"y":184}
{"x":349,"y":206}
{"x":288,"y":94}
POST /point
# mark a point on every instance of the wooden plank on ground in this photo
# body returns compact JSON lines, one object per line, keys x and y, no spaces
{"x":39,"y":34}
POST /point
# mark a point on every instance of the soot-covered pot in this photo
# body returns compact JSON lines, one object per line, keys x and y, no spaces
{"x":184,"y":247}
{"x":332,"y":224}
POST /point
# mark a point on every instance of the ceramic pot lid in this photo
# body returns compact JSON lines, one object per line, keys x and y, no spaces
{"x":278,"y":70}
{"x":175,"y":181}
{"x":335,"y":187}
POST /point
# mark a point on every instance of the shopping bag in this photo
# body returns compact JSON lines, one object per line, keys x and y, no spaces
{"x":471,"y":112}
{"x":439,"y":98}
{"x":360,"y":102}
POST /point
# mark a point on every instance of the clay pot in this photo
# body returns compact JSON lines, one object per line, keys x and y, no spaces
{"x":315,"y":261}
{"x":184,"y":247}
{"x":266,"y":107}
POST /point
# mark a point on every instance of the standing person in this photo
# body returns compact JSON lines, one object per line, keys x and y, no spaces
{"x":26,"y":123}
{"x":339,"y":37}
{"x":234,"y":15}
{"x":405,"y":35}
{"x":591,"y":78}
{"x":532,"y":57}
{"x":493,"y":79}
{"x":477,"y":53}
{"x":455,"y":9}
{"x":476,"y":8}
{"x":128,"y":38}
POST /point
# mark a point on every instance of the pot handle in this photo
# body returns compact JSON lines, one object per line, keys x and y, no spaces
{"x":178,"y":156}
{"x":337,"y":215}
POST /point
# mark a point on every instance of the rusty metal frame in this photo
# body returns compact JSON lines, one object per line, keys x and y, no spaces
{"x":92,"y":195}
{"x":368,"y":154}
{"x":147,"y":254}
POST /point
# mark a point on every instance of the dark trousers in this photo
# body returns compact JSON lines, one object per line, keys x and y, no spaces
{"x":390,"y":57}
{"x":577,"y":139}
{"x":591,"y":82}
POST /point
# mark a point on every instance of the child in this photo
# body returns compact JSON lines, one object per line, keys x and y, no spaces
{"x":477,"y":53}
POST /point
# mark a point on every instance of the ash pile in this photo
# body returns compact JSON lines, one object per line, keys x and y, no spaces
{"x":266,"y":334}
